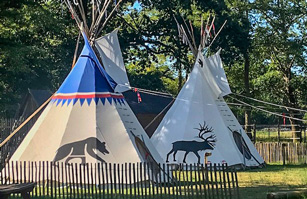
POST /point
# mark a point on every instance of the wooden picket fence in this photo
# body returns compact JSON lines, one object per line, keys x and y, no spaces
{"x":7,"y":126}
{"x":288,"y":153}
{"x":124,"y":181}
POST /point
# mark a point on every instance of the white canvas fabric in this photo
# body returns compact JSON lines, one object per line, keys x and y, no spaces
{"x":111,"y":56}
{"x":65,"y":128}
{"x":215,"y":65}
{"x":196,"y":106}
{"x":67,"y":131}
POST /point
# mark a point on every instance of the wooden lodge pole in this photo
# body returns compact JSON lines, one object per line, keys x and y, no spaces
{"x":76,"y":51}
{"x":25,"y":122}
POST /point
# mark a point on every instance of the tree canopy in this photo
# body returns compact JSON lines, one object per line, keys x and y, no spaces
{"x":37,"y":43}
{"x":263,"y":42}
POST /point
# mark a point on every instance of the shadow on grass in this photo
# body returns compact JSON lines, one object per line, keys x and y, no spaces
{"x":260,"y":192}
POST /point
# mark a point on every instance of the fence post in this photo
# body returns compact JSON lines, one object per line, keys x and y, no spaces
{"x":283,"y":154}
{"x":301,"y":132}
{"x":278,"y":131}
{"x":305,"y":134}
{"x":255,"y":133}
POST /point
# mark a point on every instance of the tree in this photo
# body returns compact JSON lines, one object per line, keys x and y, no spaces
{"x":243,"y":8}
{"x":152,"y":30}
{"x":37,"y":41}
{"x":280,"y":42}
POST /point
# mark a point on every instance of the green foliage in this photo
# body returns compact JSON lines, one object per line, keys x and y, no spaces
{"x":155,"y":77}
{"x":305,"y":118}
{"x":153,"y":31}
{"x":279,"y":47}
{"x":277,"y":55}
{"x":37,"y":43}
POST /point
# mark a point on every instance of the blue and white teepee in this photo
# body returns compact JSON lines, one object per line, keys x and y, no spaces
{"x":87,"y":122}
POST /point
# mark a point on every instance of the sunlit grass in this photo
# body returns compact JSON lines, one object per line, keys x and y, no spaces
{"x":257,"y":183}
{"x":272,"y":136}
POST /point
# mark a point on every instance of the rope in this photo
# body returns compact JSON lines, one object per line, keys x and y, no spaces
{"x":272,"y":113}
{"x":157,"y":93}
{"x":161,"y":94}
{"x":25,"y":122}
{"x":286,"y":107}
{"x":239,"y":104}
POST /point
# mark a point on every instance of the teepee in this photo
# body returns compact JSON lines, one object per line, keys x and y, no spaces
{"x":88,"y":119}
{"x":87,"y":122}
{"x":200,"y":123}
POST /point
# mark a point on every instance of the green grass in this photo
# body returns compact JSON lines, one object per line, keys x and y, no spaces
{"x":257,"y":183}
{"x":272,"y":136}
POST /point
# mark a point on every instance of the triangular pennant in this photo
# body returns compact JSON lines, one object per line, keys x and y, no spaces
{"x":96,"y":100}
{"x":52,"y":101}
{"x":115,"y":101}
{"x":103,"y":100}
{"x":82,"y":101}
{"x":64,"y":101}
{"x":118,"y":100}
{"x":75,"y":100}
{"x":123,"y":101}
{"x":89,"y":100}
{"x":68,"y":101}
{"x":58,"y":102}
{"x":109,"y":100}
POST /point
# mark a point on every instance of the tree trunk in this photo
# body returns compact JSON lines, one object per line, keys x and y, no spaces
{"x":291,"y":102}
{"x":180,"y":79}
{"x":295,"y":128}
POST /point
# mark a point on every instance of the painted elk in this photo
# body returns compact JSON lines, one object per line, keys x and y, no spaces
{"x":208,"y":143}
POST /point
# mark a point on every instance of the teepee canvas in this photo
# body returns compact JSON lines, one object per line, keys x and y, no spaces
{"x":87,"y":122}
{"x":111,"y":57}
{"x":200,"y":122}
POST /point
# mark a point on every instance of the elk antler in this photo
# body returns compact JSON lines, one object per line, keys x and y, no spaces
{"x":211,"y":140}
{"x":203,"y":130}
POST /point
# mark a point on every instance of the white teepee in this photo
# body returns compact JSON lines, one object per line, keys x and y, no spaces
{"x":200,"y":121}
{"x":87,"y":122}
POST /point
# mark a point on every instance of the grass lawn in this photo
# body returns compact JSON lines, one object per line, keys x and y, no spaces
{"x":272,"y":136}
{"x":257,"y":183}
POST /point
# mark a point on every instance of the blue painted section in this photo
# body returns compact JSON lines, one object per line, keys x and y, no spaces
{"x":88,"y":75}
